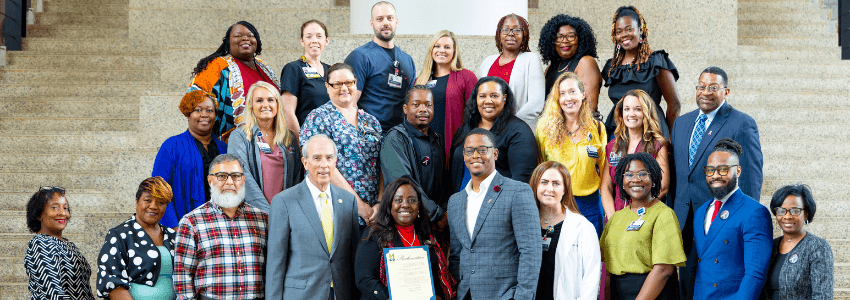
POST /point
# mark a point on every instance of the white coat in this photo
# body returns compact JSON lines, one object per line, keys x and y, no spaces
{"x":578,"y":261}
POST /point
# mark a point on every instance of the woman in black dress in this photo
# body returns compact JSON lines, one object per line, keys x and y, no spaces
{"x":567,"y":44}
{"x":636,"y":66}
{"x":302,"y":85}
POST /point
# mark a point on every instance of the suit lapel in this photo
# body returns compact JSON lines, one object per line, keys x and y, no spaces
{"x":309,"y":207}
{"x":708,"y":138}
{"x":464,"y":238}
{"x":731,"y":205}
{"x":339,"y":216}
{"x":489,"y":200}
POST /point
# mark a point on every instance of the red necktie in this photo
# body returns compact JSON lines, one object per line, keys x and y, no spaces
{"x":717,"y":205}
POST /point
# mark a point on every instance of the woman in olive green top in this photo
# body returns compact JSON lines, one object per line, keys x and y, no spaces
{"x":642,"y":244}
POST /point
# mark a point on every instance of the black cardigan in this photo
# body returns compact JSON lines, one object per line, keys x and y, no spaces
{"x":517,"y":153}
{"x":367,"y":268}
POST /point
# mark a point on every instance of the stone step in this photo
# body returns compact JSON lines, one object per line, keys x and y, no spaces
{"x":63,"y":163}
{"x":779,"y":133}
{"x":14,"y":290}
{"x":13,"y":269}
{"x":81,"y":77}
{"x":799,"y":54}
{"x":24,"y":59}
{"x":75,"y":32}
{"x":755,"y":28}
{"x":788,"y":100}
{"x":795,"y":82}
{"x":80,"y":200}
{"x":784,"y":6}
{"x":810,"y":170}
{"x":77,"y":143}
{"x":788,"y":41}
{"x":791,"y":16}
{"x":73,"y":90}
{"x":76,"y":180}
{"x":819,"y":70}
{"x":101,"y":9}
{"x":127,"y":107}
{"x":841,"y":275}
{"x":832,"y":189}
{"x":768,"y":115}
{"x":75,"y":19}
{"x":68,"y":124}
{"x":93,"y":46}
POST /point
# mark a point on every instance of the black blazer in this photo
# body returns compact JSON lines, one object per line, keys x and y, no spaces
{"x":367,"y":268}
{"x":810,"y":275}
{"x":517,"y":153}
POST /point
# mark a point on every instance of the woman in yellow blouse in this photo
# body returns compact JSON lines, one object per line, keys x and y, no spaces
{"x":567,"y":133}
{"x":642,"y":243}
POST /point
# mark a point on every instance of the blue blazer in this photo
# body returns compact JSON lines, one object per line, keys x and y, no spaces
{"x":733,"y":258}
{"x":179,"y":162}
{"x":691,"y":189}
{"x":502,"y":260}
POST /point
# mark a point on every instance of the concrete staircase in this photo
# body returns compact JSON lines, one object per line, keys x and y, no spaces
{"x":86,"y":107}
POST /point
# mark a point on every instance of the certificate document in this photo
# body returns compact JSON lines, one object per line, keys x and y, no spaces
{"x":409,"y":273}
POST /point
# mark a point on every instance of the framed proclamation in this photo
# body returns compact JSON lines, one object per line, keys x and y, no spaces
{"x":409,"y":273}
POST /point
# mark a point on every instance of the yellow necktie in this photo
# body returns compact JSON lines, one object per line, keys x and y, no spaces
{"x":327,"y":220}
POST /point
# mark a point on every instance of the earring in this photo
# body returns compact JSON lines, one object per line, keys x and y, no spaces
{"x":618,"y":47}
{"x":640,"y":40}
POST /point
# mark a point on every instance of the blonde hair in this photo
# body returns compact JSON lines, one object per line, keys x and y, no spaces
{"x":430,"y":65}
{"x":651,"y":129}
{"x":282,"y":136}
{"x":552,"y":122}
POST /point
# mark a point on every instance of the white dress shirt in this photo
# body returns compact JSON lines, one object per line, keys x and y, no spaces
{"x":314,"y":191}
{"x":710,"y":117}
{"x":710,"y":209}
{"x":475,"y":200}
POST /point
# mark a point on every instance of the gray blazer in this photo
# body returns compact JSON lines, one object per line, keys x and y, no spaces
{"x":810,"y":276}
{"x":298,"y":262}
{"x":241,"y":145}
{"x":502,"y":261}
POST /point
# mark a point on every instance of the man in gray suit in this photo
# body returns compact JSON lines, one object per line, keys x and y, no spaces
{"x":313,"y":233}
{"x":495,"y":232}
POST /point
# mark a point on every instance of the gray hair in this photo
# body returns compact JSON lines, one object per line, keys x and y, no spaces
{"x":304,"y":152}
{"x":223,"y":158}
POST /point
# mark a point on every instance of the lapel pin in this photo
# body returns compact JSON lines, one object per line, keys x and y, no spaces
{"x":709,"y":132}
{"x":488,"y":201}
{"x":724,"y":215}
{"x":339,"y":200}
{"x":497,"y":188}
{"x":793,"y":258}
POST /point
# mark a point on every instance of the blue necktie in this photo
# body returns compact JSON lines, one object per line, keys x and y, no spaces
{"x":696,"y":139}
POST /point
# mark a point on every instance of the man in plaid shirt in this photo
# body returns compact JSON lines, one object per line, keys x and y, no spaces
{"x":221,"y":245}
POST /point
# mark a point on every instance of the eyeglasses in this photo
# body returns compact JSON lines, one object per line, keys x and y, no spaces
{"x":508,"y":31}
{"x":236,"y":176}
{"x":711,"y":89}
{"x":721,"y":169}
{"x":482,"y":150}
{"x":566,"y":38}
{"x":639,"y":175}
{"x":58,"y":189}
{"x":780,"y":212}
{"x":338,"y":85}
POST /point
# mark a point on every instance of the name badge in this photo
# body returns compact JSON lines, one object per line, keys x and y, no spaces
{"x":635,"y":225}
{"x":614,"y":159}
{"x":431,"y":84}
{"x":592,"y":152}
{"x":311,"y":72}
{"x":264,"y":147}
{"x":394,"y":81}
{"x":546,"y":242}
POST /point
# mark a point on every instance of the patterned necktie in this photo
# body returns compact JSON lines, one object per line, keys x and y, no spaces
{"x":327,"y":220}
{"x":696,"y":139}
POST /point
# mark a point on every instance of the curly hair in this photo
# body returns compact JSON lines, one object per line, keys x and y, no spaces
{"x":651,"y":166}
{"x":651,"y":129}
{"x":568,"y":201}
{"x":224,"y":48}
{"x":643,"y":51}
{"x":549,"y":33}
{"x":191,"y":99}
{"x":384,"y":226}
{"x":552,"y":122}
{"x":523,"y":46}
{"x":35,"y":206}
{"x":472,"y":116}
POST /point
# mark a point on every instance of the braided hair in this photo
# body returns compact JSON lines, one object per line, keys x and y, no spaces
{"x":548,"y":35}
{"x":523,"y":46}
{"x":224,"y":48}
{"x":643,"y":49}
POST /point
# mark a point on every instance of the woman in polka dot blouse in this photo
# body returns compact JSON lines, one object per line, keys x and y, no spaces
{"x":136,"y":257}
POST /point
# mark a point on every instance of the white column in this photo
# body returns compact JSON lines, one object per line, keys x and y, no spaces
{"x":464,"y":17}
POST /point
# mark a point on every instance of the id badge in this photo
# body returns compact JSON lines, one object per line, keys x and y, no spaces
{"x":592,"y":152}
{"x":394,"y":81}
{"x":264,"y":147}
{"x":614,"y":159}
{"x":635,"y":225}
{"x":546,"y":242}
{"x":310,"y":72}
{"x":431,"y":84}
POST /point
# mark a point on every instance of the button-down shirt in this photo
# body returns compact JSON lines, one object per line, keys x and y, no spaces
{"x":315,"y":192}
{"x":221,"y":257}
{"x":475,"y":200}
{"x":710,"y":210}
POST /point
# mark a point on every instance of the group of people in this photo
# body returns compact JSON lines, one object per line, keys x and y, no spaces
{"x":293,"y":188}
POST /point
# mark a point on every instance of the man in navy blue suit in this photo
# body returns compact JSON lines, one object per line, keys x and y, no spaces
{"x":734,"y":235}
{"x":693,"y":135}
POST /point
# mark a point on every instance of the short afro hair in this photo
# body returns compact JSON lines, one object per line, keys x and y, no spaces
{"x":35,"y":206}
